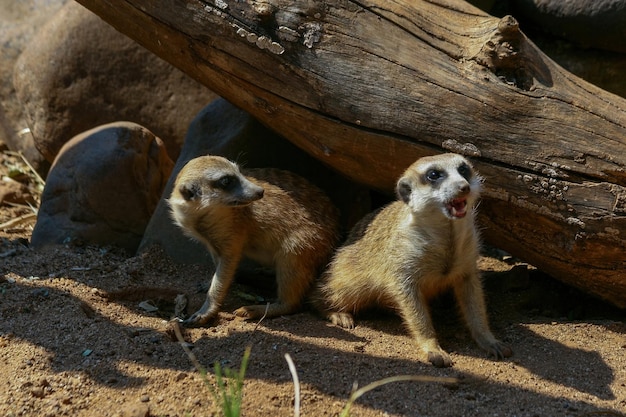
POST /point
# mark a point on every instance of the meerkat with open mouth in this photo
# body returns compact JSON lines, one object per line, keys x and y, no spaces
{"x":271,"y":216}
{"x":409,"y":251}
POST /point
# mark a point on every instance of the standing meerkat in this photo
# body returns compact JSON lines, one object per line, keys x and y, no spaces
{"x":412,"y":249}
{"x":273,"y":217}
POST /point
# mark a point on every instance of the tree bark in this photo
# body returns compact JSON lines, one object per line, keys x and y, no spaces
{"x":370,"y":86}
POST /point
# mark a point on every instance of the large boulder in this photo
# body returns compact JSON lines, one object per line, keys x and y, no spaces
{"x":599,"y":24}
{"x":79,"y":72}
{"x":599,"y":67}
{"x":586,"y":37}
{"x":103,"y":188}
{"x":19,"y":22}
{"x":222,"y":129}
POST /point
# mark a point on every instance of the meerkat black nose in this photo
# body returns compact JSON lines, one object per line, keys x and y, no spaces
{"x":464,"y":188}
{"x":260,"y":193}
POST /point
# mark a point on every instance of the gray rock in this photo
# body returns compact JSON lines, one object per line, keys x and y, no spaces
{"x":19,"y":21}
{"x":597,"y":24}
{"x":602,"y":68}
{"x":79,"y":72}
{"x":103,"y":188}
{"x":222,"y":129}
{"x":484,"y":5}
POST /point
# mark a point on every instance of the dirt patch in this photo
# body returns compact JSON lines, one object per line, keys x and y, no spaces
{"x":78,"y":337}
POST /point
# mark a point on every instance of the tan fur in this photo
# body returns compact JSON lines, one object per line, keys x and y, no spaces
{"x":271,"y":216}
{"x":411,"y":250}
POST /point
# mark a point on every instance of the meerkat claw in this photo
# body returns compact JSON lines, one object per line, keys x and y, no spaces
{"x":500,"y":351}
{"x":440,"y":359}
{"x":344,"y":320}
{"x":196,"y":320}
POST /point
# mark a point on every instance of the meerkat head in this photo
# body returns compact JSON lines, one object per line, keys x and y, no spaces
{"x":212,"y":181}
{"x":446,"y":182}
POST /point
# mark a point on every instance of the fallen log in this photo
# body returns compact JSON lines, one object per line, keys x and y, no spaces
{"x":369,"y":86}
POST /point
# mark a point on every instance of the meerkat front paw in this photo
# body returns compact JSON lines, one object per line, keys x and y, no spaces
{"x":493,"y":346}
{"x":499,"y":350}
{"x":344,"y":320}
{"x":202,"y":316}
{"x":198,"y":319}
{"x":440,"y":359}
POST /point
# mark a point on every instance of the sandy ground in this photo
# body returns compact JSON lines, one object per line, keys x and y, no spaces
{"x":78,"y":337}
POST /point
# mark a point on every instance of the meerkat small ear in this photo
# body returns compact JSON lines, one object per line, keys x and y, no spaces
{"x":189,"y":192}
{"x":403,"y":190}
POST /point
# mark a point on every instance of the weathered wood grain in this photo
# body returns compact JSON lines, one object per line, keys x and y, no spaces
{"x":369,"y":86}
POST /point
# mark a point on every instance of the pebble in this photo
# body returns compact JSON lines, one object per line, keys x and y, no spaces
{"x":38,"y":392}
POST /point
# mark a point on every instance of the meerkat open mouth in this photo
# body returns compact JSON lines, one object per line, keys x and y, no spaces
{"x":457,"y":207}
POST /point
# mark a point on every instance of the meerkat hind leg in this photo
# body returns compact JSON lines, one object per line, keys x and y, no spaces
{"x":338,"y":318}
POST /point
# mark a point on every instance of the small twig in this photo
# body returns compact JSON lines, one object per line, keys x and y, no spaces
{"x":23,"y":206}
{"x":190,"y":355}
{"x":296,"y":384}
{"x":18,"y":205}
{"x":34,"y":209}
{"x":33,"y":171}
{"x":18,"y":221}
{"x":267,"y":307}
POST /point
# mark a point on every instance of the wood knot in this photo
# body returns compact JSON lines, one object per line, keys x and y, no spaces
{"x":502,"y":54}
{"x":508,"y":25}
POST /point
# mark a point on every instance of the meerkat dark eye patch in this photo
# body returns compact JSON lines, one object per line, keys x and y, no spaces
{"x":190,"y":191}
{"x":227,"y":182}
{"x":434,"y":175}
{"x":465,"y":171}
